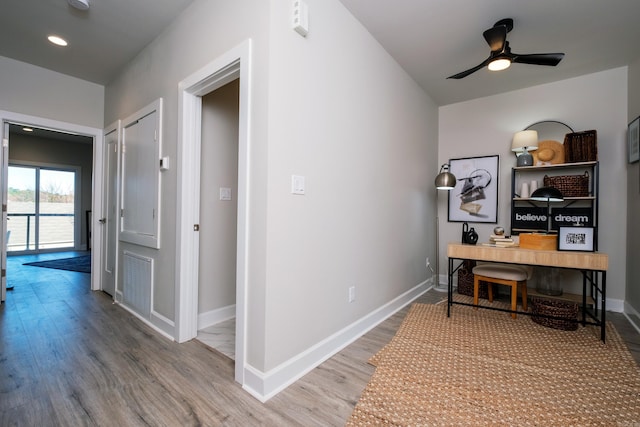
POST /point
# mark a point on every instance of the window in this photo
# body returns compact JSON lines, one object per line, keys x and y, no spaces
{"x":42,"y":205}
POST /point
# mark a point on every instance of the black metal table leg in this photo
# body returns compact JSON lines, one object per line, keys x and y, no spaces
{"x":449,"y":287}
{"x":604,"y":308}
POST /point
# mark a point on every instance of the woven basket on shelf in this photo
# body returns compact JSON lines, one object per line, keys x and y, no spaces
{"x":565,"y":311}
{"x":581,"y":146}
{"x":569,"y":185}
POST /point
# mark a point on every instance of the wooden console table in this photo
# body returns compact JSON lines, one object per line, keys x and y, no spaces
{"x":592,"y":265}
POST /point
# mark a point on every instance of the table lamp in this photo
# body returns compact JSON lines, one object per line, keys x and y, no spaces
{"x":444,"y":181}
{"x":522,"y":142}
{"x":549,"y":195}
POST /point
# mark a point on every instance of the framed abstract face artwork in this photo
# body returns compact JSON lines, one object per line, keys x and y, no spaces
{"x":475,"y":196}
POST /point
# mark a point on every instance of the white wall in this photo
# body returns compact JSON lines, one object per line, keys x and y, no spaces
{"x":633,"y":199}
{"x":485,"y":126}
{"x":203,"y":32}
{"x":334,"y":107}
{"x":28,"y":89}
{"x":343,"y":114}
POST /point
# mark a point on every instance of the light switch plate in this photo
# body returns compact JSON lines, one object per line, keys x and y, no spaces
{"x":297,"y":184}
{"x":225,"y":193}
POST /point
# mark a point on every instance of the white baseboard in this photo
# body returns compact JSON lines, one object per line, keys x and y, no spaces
{"x":161,"y":331}
{"x":265,"y":385}
{"x":218,"y":315}
{"x":164,"y":324}
{"x":630,"y":311}
{"x":615,"y":305}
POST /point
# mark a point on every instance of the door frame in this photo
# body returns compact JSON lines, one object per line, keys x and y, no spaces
{"x":226,"y":68}
{"x":96,"y":194}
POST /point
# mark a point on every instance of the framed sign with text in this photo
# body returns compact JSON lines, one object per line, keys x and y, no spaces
{"x":534,"y":218}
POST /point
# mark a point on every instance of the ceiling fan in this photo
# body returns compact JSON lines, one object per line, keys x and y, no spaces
{"x":501,"y":56}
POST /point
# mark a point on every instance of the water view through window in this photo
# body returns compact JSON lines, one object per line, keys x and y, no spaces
{"x":41,"y":206}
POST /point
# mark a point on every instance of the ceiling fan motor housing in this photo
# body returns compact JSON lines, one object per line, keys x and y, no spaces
{"x":501,"y":56}
{"x":507,"y":22}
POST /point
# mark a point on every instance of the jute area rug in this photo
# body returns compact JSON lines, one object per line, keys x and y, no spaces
{"x":481,"y":367}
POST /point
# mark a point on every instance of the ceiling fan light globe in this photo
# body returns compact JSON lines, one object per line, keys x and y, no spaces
{"x":499,"y":64}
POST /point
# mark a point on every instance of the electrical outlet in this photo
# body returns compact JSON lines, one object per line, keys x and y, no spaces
{"x":352,"y":294}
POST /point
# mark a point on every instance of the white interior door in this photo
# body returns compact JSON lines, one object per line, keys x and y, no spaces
{"x":109,"y":218}
{"x":4,"y":161}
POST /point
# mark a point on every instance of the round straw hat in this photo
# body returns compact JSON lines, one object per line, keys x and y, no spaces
{"x":548,"y":153}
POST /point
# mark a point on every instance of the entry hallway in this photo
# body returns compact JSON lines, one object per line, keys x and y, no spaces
{"x":70,"y":357}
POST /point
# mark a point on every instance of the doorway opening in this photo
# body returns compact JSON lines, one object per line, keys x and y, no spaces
{"x":63,"y":163}
{"x":218,"y":218}
{"x":49,"y":190}
{"x":233,"y":65}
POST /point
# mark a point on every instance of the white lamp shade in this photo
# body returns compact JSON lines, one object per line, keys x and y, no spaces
{"x":525,"y":140}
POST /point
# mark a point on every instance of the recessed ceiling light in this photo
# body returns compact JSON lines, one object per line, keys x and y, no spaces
{"x":57,"y":40}
{"x":26,"y":129}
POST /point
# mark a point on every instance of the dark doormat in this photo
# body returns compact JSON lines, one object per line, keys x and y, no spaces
{"x":80,"y":263}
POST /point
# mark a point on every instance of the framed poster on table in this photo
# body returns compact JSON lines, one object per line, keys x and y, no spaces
{"x":475,"y":196}
{"x":576,"y":239}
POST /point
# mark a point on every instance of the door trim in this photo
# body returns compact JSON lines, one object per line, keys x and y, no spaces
{"x":4,"y":173}
{"x":230,"y":66}
{"x":96,"y":194}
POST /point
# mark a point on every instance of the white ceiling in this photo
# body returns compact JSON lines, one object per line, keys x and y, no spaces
{"x":101,"y":40}
{"x":431,"y":39}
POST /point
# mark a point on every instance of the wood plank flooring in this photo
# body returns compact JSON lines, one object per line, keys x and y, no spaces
{"x":69,"y":357}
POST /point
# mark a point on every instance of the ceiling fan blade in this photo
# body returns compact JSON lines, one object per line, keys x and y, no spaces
{"x":551,"y":59}
{"x":496,"y":37}
{"x":470,"y":70}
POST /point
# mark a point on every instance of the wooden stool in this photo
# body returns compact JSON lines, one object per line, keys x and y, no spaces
{"x":510,"y":275}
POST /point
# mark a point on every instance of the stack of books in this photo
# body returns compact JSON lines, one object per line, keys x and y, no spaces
{"x":501,"y":241}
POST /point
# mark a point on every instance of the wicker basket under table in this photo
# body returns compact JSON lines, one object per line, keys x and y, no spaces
{"x":565,"y":313}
